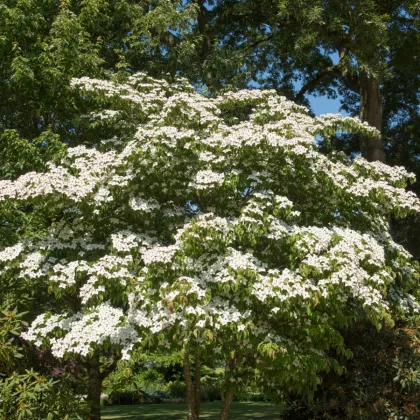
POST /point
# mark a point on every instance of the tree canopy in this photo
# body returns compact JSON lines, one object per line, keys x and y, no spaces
{"x":205,"y":231}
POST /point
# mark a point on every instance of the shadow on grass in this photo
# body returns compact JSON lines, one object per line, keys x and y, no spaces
{"x":210,"y":411}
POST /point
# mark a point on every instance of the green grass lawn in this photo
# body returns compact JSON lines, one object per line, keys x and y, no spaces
{"x":238,"y":411}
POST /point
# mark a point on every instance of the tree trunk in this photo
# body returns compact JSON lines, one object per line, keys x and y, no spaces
{"x":197,"y":378}
{"x":227,"y":399}
{"x":190,"y":395}
{"x":94,"y":388}
{"x":371,"y":112}
{"x":232,"y":364}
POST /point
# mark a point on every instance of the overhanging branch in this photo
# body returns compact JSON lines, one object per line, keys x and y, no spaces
{"x":311,"y":84}
{"x":109,"y":368}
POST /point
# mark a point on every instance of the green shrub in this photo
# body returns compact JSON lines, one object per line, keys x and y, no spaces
{"x":134,"y":397}
{"x":27,"y":394}
{"x":124,"y":397}
{"x":177,"y":389}
{"x":33,"y":396}
{"x":209,"y":392}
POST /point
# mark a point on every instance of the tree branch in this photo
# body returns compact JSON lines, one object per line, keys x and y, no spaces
{"x":109,"y":368}
{"x":340,"y":69}
{"x":311,"y":84}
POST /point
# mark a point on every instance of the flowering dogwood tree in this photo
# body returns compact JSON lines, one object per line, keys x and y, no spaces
{"x":215,"y":226}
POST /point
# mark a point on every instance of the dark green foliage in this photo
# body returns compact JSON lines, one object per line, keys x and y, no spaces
{"x":208,"y":391}
{"x":135,"y":397}
{"x":31,"y":395}
{"x":19,"y":156}
{"x":177,"y":390}
{"x":382,"y":379}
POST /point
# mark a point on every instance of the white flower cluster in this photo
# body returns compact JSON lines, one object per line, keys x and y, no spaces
{"x":34,"y":266}
{"x":207,"y":178}
{"x":12,"y":252}
{"x":158,"y":254}
{"x":104,"y":324}
{"x":65,"y":274}
{"x":144,"y":205}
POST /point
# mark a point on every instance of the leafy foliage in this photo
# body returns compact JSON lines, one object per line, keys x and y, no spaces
{"x":382,"y":379}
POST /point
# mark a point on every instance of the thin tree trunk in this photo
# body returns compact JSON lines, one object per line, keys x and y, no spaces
{"x":197,"y":378}
{"x":94,"y":388}
{"x":371,"y":112}
{"x":189,"y":388}
{"x":227,"y":399}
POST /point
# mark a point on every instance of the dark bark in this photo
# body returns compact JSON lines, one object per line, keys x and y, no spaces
{"x":227,"y":398}
{"x":206,"y":45}
{"x":94,"y":388}
{"x":197,"y":377}
{"x":349,"y":79}
{"x":202,"y":20}
{"x":371,"y":111}
{"x":190,"y":395}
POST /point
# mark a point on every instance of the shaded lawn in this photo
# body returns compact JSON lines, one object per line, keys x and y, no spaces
{"x":210,"y":411}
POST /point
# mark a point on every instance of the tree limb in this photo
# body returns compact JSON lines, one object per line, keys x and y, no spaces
{"x":311,"y":84}
{"x":109,"y":368}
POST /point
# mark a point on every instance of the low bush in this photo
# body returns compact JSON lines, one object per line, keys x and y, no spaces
{"x":382,"y":380}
